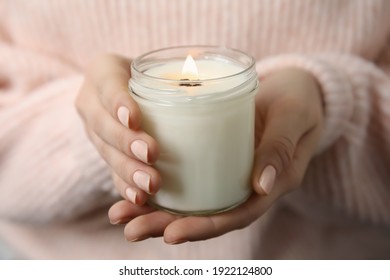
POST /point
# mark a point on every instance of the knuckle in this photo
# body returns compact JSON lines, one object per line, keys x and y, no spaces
{"x":112,"y":94}
{"x":121,"y":140}
{"x":103,"y":150}
{"x":283,"y":149}
{"x":98,"y":123}
{"x":124,"y":169}
{"x":119,"y":184}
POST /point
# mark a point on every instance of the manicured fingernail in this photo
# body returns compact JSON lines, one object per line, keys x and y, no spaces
{"x":123,"y":116}
{"x":142,"y":180}
{"x":267,"y":179}
{"x":140,"y":149}
{"x":131,"y":195}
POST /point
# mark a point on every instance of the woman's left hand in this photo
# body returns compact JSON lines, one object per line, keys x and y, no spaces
{"x":289,"y":118}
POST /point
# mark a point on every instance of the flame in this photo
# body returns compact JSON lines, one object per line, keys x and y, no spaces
{"x":189,"y":71}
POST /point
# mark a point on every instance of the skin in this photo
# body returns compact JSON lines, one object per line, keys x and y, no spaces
{"x":289,"y":117}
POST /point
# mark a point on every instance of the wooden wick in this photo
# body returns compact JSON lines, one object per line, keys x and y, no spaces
{"x":189,"y":84}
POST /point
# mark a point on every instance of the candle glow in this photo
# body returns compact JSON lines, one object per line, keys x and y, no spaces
{"x":189,"y":71}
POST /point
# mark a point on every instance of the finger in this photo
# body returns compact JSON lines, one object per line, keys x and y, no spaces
{"x":136,"y":144}
{"x":202,"y":228}
{"x":123,"y":211}
{"x":133,"y":172}
{"x":129,"y":192}
{"x":293,"y":176}
{"x":111,"y":74}
{"x":149,"y":225}
{"x":283,"y":129}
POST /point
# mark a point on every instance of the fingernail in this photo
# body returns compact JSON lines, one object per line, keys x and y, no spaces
{"x":267,"y":179}
{"x":131,"y":195}
{"x":117,"y":222}
{"x":123,"y":116}
{"x":140,"y":149}
{"x":176,"y":242}
{"x":140,"y":238}
{"x":142,"y":180}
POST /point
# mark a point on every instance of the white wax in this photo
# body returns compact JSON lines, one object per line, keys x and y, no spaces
{"x":206,"y":149}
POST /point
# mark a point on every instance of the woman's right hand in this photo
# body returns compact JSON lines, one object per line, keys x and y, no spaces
{"x":112,"y":121}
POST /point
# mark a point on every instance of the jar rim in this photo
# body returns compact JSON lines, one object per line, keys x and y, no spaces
{"x":136,"y":63}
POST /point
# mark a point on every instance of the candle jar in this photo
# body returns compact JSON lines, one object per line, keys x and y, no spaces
{"x":204,"y":126}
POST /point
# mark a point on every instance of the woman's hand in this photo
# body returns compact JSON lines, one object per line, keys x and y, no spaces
{"x":288,"y":127}
{"x":112,"y":121}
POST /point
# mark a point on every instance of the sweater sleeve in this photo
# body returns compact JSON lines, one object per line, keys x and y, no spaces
{"x":49,"y":170}
{"x":350,"y":171}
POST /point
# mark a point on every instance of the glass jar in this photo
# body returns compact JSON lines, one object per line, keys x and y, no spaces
{"x":204,"y":125}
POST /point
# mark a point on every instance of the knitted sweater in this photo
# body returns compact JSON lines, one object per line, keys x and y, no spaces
{"x":55,"y":190}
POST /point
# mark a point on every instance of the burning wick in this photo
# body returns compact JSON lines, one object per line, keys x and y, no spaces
{"x":190,"y":83}
{"x":190,"y":73}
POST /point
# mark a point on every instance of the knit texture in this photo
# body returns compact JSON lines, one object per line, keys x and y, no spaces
{"x":55,"y":189}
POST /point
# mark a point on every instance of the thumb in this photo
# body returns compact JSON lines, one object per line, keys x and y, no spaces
{"x":276,"y":150}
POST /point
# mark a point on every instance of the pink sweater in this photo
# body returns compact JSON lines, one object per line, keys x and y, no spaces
{"x":55,"y":190}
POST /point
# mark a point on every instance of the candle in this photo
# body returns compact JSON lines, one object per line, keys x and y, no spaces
{"x":200,"y":109}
